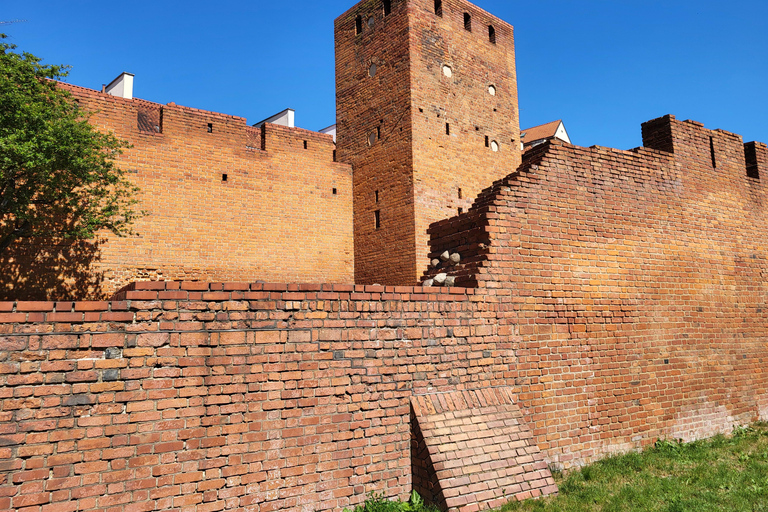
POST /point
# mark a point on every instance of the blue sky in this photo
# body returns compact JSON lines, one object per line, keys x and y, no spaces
{"x":603,"y":66}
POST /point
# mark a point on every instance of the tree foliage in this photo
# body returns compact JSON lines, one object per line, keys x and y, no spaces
{"x":58,"y":177}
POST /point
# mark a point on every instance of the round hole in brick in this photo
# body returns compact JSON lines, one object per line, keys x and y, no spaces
{"x":494,"y":145}
{"x":372,"y":70}
{"x":447,"y":71}
{"x":492,"y":90}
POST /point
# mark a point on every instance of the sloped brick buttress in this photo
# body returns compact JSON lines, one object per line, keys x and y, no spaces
{"x":472,"y":451}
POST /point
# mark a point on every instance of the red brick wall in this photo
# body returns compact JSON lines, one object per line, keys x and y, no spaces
{"x":227,"y":395}
{"x":412,"y":173}
{"x":284,"y":397}
{"x":275,"y":218}
{"x":451,"y":170}
{"x":377,"y":105}
{"x":638,"y":282}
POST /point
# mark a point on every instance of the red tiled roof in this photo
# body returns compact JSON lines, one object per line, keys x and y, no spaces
{"x":543,"y":131}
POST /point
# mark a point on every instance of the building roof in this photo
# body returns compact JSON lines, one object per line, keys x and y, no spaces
{"x":543,"y":131}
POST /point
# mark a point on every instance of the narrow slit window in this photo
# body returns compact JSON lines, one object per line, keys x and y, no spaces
{"x":712,"y":152}
{"x":378,"y":132}
{"x":377,"y":219}
{"x":491,"y":34}
{"x":467,"y":22}
{"x":224,"y":177}
{"x":358,"y":25}
{"x":305,"y":144}
{"x":387,"y":7}
{"x":376,"y":195}
{"x":487,"y":141}
{"x":459,"y":192}
{"x":334,"y":191}
{"x":447,"y":128}
{"x":439,"y":7}
{"x":750,"y":158}
{"x":334,"y":155}
{"x":210,"y":128}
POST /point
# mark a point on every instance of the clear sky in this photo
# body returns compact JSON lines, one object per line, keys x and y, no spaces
{"x":603,"y":66}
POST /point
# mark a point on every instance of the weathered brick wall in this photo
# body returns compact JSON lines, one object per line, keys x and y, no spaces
{"x":229,"y":396}
{"x":374,"y":136}
{"x":600,"y":304}
{"x":638,"y":282}
{"x":450,"y":170}
{"x":262,"y":222}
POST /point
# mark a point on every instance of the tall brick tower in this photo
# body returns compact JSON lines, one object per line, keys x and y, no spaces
{"x":426,"y":111}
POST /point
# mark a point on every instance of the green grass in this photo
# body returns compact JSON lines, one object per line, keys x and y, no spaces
{"x":722,"y":473}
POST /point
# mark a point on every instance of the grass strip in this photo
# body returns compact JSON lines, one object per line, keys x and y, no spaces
{"x":720,"y":473}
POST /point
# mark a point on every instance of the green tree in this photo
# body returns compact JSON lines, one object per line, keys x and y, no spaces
{"x":58,"y":177}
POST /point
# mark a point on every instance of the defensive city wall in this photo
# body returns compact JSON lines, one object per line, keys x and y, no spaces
{"x":604,"y":299}
{"x":223,"y":201}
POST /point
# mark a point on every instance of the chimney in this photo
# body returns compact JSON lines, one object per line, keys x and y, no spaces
{"x":284,"y":118}
{"x":122,"y":86}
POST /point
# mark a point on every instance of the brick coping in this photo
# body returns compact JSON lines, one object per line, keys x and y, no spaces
{"x":140,"y":295}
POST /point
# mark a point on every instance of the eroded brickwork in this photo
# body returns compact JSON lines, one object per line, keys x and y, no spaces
{"x":206,"y":396}
{"x":224,"y":201}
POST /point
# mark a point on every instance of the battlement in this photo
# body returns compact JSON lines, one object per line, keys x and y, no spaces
{"x":722,"y":151}
{"x":683,"y":162}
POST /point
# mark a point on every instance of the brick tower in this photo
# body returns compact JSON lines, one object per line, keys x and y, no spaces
{"x":426,"y":108}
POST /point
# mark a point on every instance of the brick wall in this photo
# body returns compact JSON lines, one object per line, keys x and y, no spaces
{"x":638,"y":282}
{"x":373,"y":112}
{"x":214,"y":396}
{"x":392,"y":123}
{"x":450,"y":170}
{"x":260,"y":223}
{"x":227,"y":395}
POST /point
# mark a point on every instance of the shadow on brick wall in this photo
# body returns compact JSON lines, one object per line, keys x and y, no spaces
{"x":46,"y":269}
